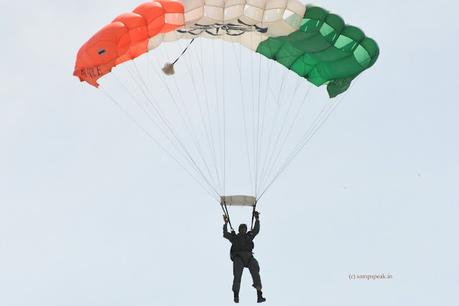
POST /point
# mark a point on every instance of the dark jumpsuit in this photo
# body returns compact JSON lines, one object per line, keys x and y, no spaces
{"x":242,"y":256}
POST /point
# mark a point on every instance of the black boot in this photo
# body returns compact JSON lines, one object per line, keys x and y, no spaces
{"x":260,"y":298}
{"x":236,"y":297}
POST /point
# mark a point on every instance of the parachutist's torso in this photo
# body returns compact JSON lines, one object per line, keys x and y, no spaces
{"x":242,"y":244}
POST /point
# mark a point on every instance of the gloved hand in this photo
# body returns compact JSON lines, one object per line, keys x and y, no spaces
{"x":256,"y":214}
{"x":225,"y":219}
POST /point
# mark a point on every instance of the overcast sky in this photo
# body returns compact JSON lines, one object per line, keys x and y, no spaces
{"x":92,"y":213}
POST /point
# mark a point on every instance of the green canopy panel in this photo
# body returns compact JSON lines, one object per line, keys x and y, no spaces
{"x":324,"y":50}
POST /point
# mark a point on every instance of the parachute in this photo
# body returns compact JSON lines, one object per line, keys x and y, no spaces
{"x":227,"y":96}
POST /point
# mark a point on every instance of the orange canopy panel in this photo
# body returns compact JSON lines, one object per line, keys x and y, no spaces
{"x":126,"y":38}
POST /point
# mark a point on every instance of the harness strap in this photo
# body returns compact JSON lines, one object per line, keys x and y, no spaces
{"x":246,"y":265}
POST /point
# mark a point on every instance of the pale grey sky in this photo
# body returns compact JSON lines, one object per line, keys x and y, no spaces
{"x":92,"y":213}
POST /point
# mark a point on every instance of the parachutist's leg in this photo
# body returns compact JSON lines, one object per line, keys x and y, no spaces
{"x":255,"y":272}
{"x":238,"y":266}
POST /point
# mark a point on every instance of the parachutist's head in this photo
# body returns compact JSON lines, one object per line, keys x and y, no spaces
{"x":242,"y":229}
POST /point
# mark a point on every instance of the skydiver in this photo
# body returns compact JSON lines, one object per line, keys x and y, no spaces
{"x":242,"y":256}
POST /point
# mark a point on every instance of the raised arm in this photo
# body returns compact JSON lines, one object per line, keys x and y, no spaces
{"x":256,"y":227}
{"x":226,"y":234}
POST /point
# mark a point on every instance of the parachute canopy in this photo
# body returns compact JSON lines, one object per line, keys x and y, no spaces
{"x":242,"y":88}
{"x":308,"y":40}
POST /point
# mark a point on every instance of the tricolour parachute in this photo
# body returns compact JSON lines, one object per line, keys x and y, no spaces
{"x":193,"y":115}
{"x":308,"y":40}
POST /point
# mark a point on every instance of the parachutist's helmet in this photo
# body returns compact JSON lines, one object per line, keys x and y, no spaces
{"x":242,"y":229}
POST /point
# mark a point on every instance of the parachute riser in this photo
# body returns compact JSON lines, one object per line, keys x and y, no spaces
{"x":253,"y":215}
{"x":238,"y":200}
{"x":226,"y":214}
